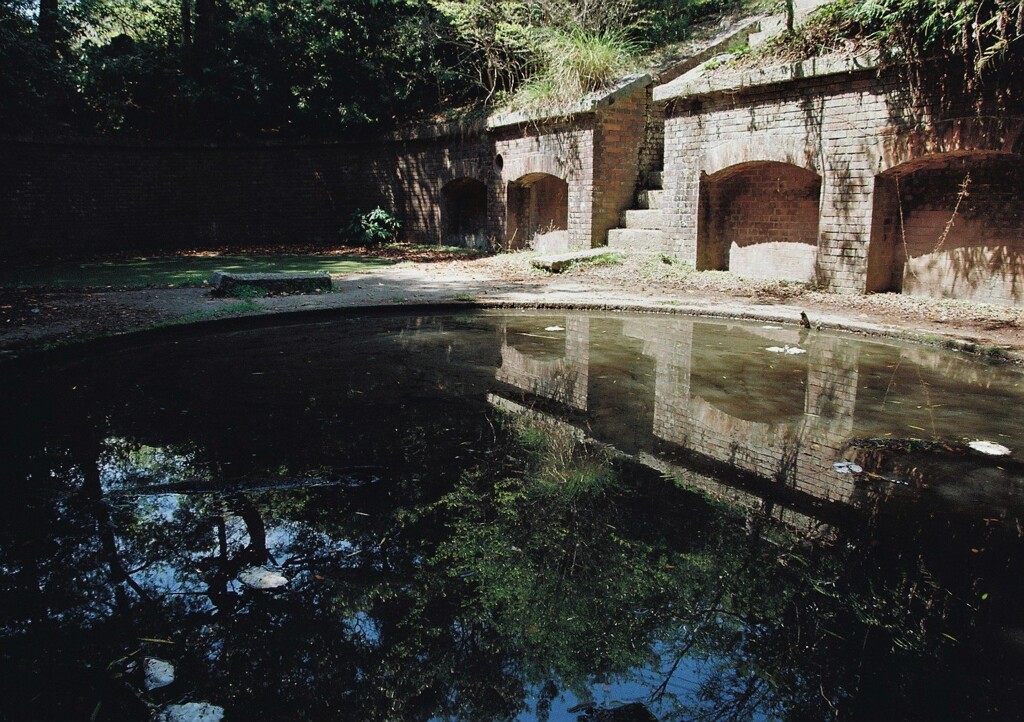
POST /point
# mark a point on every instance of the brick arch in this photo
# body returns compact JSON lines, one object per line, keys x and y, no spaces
{"x":760,"y":148}
{"x":518,"y":167}
{"x":473,"y":169}
{"x":537,"y":211}
{"x":957,"y":136}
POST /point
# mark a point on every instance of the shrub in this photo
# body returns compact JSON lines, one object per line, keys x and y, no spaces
{"x":371,"y":228}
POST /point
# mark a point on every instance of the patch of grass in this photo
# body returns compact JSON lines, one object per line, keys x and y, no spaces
{"x":606,"y":259}
{"x":245,"y":306}
{"x":572,"y":63}
{"x":174,"y":271}
{"x":465,"y":297}
{"x":665,"y":267}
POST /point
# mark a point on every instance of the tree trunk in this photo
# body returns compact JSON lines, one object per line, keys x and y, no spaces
{"x":204,"y":24}
{"x":48,"y":14}
{"x":186,"y":25}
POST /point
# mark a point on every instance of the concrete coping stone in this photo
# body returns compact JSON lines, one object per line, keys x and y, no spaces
{"x":224,"y":282}
{"x":626,"y":86}
{"x":704,"y":81}
{"x":560,"y":261}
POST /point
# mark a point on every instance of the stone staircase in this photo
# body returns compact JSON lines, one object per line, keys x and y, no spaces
{"x":776,"y":24}
{"x":642,"y":228}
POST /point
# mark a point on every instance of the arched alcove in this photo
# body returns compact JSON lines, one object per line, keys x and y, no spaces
{"x":464,"y":213}
{"x":759,"y":220}
{"x":538,"y":211}
{"x":950,"y":226}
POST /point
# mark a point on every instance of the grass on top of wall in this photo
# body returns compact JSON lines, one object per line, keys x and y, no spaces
{"x":169,"y":271}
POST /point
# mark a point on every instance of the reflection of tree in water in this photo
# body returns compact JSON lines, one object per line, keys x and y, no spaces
{"x":591,"y":573}
{"x":549,"y":565}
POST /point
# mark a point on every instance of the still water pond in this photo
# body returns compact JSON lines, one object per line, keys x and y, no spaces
{"x":510,"y":516}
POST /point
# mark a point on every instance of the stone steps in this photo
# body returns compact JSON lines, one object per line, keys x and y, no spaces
{"x":642,"y":228}
{"x":650,"y":199}
{"x":643,"y":240}
{"x":643,"y":219}
{"x":775,"y":24}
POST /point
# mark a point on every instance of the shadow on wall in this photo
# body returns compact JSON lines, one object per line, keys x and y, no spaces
{"x":538,"y":212}
{"x":759,"y":220}
{"x":950,"y":226}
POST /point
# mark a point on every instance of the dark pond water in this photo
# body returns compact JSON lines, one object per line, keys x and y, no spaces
{"x":524,"y":516}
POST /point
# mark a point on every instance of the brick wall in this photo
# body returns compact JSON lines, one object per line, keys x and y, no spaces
{"x":960,"y":221}
{"x":849,"y":129}
{"x":79,"y":198}
{"x":618,"y":141}
{"x":559,"y":149}
{"x":760,"y":221}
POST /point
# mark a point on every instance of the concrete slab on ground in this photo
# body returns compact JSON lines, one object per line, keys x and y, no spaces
{"x":562,"y":261}
{"x":225,"y":283}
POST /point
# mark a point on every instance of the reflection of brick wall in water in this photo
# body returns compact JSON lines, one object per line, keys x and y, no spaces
{"x":798,"y":454}
{"x":561,"y":379}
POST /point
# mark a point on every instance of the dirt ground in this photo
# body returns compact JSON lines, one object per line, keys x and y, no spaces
{"x":40,"y":318}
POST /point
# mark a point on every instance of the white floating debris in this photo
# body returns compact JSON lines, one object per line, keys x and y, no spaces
{"x":773,"y":328}
{"x":989,"y":447}
{"x":261,"y":578}
{"x":157,"y":673}
{"x":191,"y":712}
{"x":847,"y":467}
{"x":554,"y":328}
{"x":787,"y":349}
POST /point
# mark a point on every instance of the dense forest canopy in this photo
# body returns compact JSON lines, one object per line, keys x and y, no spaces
{"x":315,"y":68}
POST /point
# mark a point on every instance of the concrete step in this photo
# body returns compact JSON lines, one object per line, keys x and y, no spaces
{"x":655,"y":179}
{"x":650,"y":200}
{"x":775,"y":24}
{"x":633,"y":239}
{"x":643,"y":219}
{"x":770,"y":27}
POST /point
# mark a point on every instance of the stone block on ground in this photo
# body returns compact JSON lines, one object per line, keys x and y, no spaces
{"x":561,"y":261}
{"x":227,"y":284}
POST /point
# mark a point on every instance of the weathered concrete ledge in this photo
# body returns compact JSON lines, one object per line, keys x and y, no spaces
{"x":560,"y":261}
{"x":225,"y":283}
{"x":701,"y":81}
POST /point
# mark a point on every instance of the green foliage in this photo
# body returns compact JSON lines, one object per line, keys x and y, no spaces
{"x":309,"y":67}
{"x":983,"y":32}
{"x":371,"y":228}
{"x":574,"y":62}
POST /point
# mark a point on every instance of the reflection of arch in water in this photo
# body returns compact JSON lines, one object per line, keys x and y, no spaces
{"x":538,"y":211}
{"x":464,"y":213}
{"x":796,"y":447}
{"x":562,"y":378}
{"x":759,"y":219}
{"x":950,"y":226}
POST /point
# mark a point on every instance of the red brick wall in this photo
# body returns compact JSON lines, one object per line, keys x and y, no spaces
{"x":618,"y":141}
{"x":77,"y":199}
{"x":849,"y":129}
{"x":760,"y":220}
{"x":961,"y":226}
